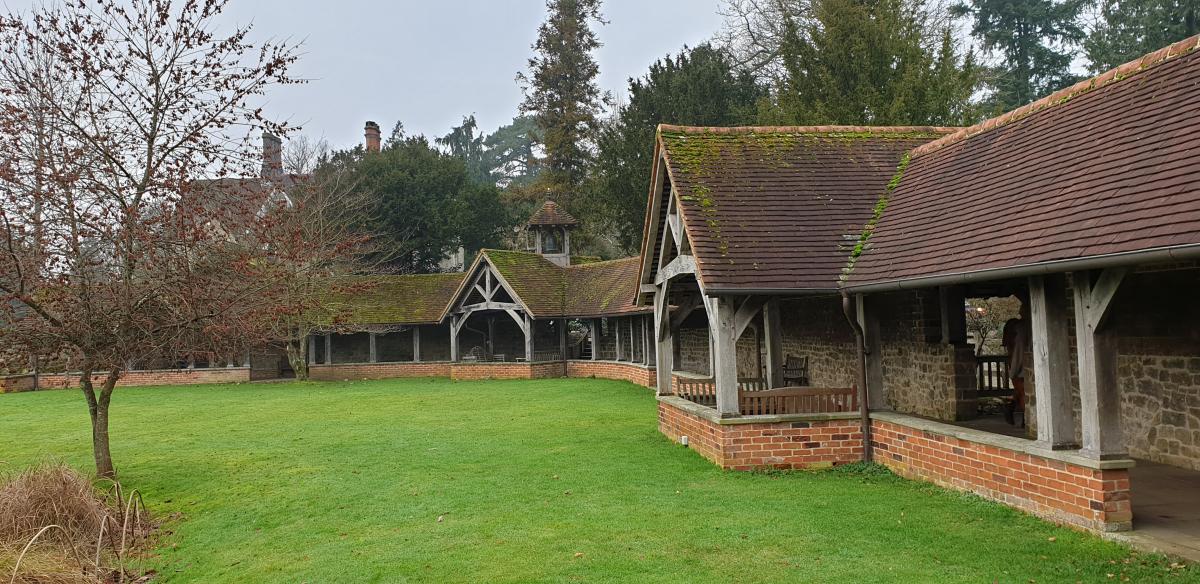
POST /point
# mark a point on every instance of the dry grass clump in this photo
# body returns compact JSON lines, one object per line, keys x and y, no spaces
{"x":56,"y":526}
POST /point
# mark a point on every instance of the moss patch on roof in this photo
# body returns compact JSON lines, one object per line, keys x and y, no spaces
{"x":593,"y":289}
{"x":393,"y":300}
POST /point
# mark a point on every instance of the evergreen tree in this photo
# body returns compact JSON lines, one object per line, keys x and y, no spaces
{"x":562,"y":94}
{"x":463,"y":143}
{"x":1033,"y":39}
{"x":697,"y":87}
{"x":871,"y":62}
{"x":1128,"y":29}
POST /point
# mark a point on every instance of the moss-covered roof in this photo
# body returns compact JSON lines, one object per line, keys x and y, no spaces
{"x":390,"y":300}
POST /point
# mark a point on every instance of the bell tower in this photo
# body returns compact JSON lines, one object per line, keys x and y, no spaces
{"x":551,"y":229}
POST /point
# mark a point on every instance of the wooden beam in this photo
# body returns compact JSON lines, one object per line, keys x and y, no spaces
{"x":469,"y":308}
{"x":416,"y":344}
{"x":664,"y":342}
{"x":374,"y":356}
{"x":773,"y":333}
{"x":594,"y":334}
{"x":312,"y":349}
{"x":724,"y":361}
{"x":685,"y":310}
{"x":328,"y":349}
{"x":562,"y":338}
{"x":520,"y":319}
{"x":951,"y":302}
{"x":1052,"y":361}
{"x":1099,"y":396}
{"x":746,"y":313}
{"x":528,"y":339}
{"x":454,"y":337}
{"x":681,"y":265}
{"x":616,"y":328}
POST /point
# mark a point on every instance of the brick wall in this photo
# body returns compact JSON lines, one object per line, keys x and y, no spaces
{"x":631,"y":372}
{"x":789,"y":444}
{"x":1097,"y":500}
{"x":132,"y":378}
{"x":338,"y":372}
{"x":468,"y":371}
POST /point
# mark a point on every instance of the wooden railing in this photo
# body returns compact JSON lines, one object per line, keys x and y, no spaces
{"x":756,"y":398}
{"x":703,"y":390}
{"x":798,"y":400}
{"x":991,"y":371}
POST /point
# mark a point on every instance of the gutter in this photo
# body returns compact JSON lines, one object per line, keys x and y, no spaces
{"x":864,"y":409}
{"x":1156,"y":255}
{"x":769,"y":291}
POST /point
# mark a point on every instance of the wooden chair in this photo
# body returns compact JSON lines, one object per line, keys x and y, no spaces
{"x":795,"y":371}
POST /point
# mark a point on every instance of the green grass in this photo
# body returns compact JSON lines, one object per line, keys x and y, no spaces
{"x":345,"y":482}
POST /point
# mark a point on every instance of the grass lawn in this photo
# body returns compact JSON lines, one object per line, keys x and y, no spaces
{"x":510,"y":481}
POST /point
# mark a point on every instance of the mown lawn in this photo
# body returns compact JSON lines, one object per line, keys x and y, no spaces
{"x":543,"y":481}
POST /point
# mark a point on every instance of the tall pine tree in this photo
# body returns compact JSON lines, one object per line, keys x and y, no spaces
{"x":562,"y":95}
{"x":871,"y":62}
{"x":1033,"y":39}
{"x":1128,"y":29}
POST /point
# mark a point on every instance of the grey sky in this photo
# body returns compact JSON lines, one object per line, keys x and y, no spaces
{"x":428,"y":63}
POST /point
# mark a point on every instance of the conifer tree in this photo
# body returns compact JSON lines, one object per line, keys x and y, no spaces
{"x":561,"y":93}
{"x":1128,"y":29}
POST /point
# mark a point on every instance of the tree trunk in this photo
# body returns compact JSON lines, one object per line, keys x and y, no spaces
{"x":297,"y":355}
{"x":98,"y":411}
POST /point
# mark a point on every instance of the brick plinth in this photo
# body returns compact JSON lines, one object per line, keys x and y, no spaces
{"x":775,"y":442}
{"x":1071,"y":494}
{"x":544,"y":370}
{"x":631,"y":372}
{"x":131,"y":378}
{"x":336,"y":372}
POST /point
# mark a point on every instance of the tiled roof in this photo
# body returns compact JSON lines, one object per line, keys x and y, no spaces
{"x":548,"y":290}
{"x":776,"y":208}
{"x":405,"y":299}
{"x":551,"y":214}
{"x":1108,"y":167}
{"x":602,"y":288}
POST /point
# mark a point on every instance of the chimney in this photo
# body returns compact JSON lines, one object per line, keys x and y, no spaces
{"x":272,"y":154}
{"x":372,"y":134}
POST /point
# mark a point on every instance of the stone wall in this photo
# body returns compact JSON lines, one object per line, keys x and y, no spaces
{"x":816,"y":328}
{"x":921,"y":374}
{"x":692,"y":348}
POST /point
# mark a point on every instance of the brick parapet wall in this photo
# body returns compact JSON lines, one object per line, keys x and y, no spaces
{"x":1097,"y":500}
{"x":131,"y":378}
{"x":469,"y":371}
{"x":338,"y":372}
{"x":791,"y":444}
{"x":632,"y":372}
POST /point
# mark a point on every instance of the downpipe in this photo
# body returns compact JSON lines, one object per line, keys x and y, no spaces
{"x":863,"y":405}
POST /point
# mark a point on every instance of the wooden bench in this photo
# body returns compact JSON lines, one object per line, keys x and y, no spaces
{"x":806,"y":400}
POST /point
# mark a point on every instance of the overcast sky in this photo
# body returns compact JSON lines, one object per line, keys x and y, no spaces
{"x":429,"y":62}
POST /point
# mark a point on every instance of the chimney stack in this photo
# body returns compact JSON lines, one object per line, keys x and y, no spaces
{"x":272,"y":154}
{"x":372,"y":134}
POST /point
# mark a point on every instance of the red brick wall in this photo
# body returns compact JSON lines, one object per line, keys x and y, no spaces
{"x":788,"y":445}
{"x":630,"y":372}
{"x":133,"y":378}
{"x":467,"y":371}
{"x":337,"y":372}
{"x":1093,"y":499}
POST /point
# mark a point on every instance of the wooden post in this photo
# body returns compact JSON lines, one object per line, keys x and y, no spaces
{"x":616,"y":321}
{"x":1052,"y":361}
{"x":664,"y":351}
{"x":562,"y":339}
{"x":722,"y":331}
{"x":374,"y":357}
{"x":868,"y":319}
{"x":594,"y":334}
{"x":528,"y":339}
{"x":645,"y":341}
{"x":416,"y":344}
{"x":312,"y":349}
{"x":773,"y":333}
{"x":328,"y":349}
{"x":454,"y":338}
{"x":491,"y":336}
{"x":1099,"y":398}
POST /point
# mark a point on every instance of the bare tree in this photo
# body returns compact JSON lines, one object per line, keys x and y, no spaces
{"x":754,"y":32}
{"x":108,"y":116}
{"x":303,"y":155}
